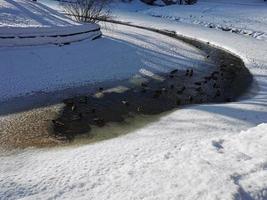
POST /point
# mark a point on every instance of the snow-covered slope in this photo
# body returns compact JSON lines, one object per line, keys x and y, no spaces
{"x":243,"y":17}
{"x":26,"y":22}
{"x":152,"y":163}
{"x":25,"y":14}
{"x":247,"y":17}
{"x":49,"y":68}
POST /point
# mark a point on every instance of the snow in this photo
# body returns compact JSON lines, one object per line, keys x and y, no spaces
{"x":149,"y":163}
{"x":246,"y":148}
{"x":76,"y":64}
{"x":25,"y":22}
{"x":214,"y":151}
{"x":27,"y":14}
{"x":133,"y":6}
{"x":248,"y":18}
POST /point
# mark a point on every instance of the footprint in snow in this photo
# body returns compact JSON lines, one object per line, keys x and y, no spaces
{"x":218,"y":145}
{"x":167,"y":156}
{"x":243,"y":157}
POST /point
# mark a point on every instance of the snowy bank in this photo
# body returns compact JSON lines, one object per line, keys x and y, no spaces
{"x":246,"y":17}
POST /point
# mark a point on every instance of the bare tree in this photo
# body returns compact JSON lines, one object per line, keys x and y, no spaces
{"x":87,"y":10}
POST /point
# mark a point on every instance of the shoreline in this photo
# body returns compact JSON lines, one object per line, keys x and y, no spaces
{"x":160,"y":95}
{"x":227,"y":82}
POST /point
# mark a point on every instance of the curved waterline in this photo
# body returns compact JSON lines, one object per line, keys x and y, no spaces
{"x":227,"y":82}
{"x":127,"y":107}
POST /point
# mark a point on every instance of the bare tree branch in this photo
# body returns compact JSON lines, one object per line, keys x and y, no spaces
{"x":87,"y":10}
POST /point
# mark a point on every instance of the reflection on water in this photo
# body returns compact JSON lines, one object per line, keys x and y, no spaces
{"x":112,"y":130}
{"x":34,"y":129}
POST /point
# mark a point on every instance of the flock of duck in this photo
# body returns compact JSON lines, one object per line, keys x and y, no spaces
{"x":178,"y":88}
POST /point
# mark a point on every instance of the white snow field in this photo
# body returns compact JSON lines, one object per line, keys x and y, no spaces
{"x":24,"y":22}
{"x":247,"y":17}
{"x":214,"y":151}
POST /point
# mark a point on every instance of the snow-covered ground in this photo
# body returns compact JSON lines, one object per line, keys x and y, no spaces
{"x":25,"y":14}
{"x":157,"y":162}
{"x":24,"y":22}
{"x":240,"y":17}
{"x":215,"y":151}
